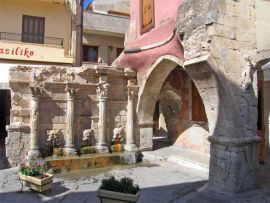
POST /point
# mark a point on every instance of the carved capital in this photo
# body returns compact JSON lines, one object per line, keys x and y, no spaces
{"x":72,"y":89}
{"x":102,"y":90}
{"x":71,"y":92}
{"x":35,"y":91}
{"x":132,"y":90}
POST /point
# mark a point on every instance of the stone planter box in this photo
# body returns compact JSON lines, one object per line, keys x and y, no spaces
{"x":36,"y":183}
{"x":116,"y":197}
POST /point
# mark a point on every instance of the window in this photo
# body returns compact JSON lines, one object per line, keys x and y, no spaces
{"x":119,"y":51}
{"x":33,"y":29}
{"x":90,"y":53}
{"x":147,"y":15}
{"x":198,"y":111}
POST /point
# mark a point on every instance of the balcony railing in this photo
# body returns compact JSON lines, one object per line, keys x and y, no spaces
{"x":31,"y":38}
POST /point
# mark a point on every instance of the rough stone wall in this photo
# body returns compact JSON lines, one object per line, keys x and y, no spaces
{"x":225,"y":31}
{"x":17,"y":145}
{"x":219,"y":41}
{"x":53,"y":104}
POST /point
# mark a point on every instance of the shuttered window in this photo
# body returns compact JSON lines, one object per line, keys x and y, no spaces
{"x":147,"y":15}
{"x":33,"y":29}
{"x":198,"y":110}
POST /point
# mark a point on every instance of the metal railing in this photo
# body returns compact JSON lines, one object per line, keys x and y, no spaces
{"x":31,"y":38}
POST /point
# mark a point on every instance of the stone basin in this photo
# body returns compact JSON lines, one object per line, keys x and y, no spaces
{"x":91,"y":161}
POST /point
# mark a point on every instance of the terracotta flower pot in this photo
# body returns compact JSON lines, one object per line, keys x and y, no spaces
{"x":116,"y":197}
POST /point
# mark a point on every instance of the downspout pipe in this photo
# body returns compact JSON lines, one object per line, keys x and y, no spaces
{"x":151,"y":46}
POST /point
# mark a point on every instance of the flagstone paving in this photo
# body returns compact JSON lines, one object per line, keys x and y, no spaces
{"x":161,"y":181}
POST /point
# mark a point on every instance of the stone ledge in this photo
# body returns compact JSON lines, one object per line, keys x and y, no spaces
{"x":18,"y":127}
{"x":236,"y":142}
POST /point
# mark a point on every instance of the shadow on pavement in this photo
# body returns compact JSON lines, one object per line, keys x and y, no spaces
{"x":162,"y":194}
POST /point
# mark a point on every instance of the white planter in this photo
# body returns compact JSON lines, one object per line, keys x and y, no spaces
{"x":36,"y":183}
{"x":116,"y":197}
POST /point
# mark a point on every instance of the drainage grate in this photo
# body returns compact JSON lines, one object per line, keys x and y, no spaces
{"x":57,"y":170}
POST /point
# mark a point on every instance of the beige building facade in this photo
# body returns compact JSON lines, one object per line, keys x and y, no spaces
{"x":23,"y":21}
{"x":34,"y":33}
{"x":104,"y":31}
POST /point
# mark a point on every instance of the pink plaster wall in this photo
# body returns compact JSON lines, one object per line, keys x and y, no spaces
{"x":164,"y":9}
{"x":165,"y":18}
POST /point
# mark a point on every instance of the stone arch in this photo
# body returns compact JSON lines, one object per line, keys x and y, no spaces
{"x":215,"y":97}
{"x":233,"y":154}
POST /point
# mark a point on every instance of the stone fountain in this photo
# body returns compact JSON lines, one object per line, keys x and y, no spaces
{"x":74,"y":111}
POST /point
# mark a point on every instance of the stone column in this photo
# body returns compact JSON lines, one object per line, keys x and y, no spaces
{"x":146,"y":136}
{"x":130,"y":143}
{"x":233,"y":164}
{"x":102,"y":92}
{"x":69,"y":149}
{"x":34,"y":124}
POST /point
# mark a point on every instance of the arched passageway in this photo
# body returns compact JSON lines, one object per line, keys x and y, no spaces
{"x":233,"y":153}
{"x":179,"y":115}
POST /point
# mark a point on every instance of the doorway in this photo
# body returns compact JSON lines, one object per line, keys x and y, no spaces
{"x":5,"y":105}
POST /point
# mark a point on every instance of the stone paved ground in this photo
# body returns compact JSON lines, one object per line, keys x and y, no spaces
{"x":159,"y":182}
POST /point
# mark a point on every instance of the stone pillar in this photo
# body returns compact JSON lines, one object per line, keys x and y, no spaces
{"x":34,"y":123}
{"x":69,"y":149}
{"x":233,"y":164}
{"x":102,"y":92}
{"x":130,"y":143}
{"x":146,"y":136}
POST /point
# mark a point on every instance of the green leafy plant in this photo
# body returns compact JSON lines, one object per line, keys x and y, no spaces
{"x":32,"y":168}
{"x":124,"y":185}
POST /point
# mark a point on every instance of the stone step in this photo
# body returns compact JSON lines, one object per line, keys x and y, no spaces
{"x":181,"y":157}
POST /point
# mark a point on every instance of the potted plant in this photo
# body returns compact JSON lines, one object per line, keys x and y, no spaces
{"x":118,"y":191}
{"x":33,"y":174}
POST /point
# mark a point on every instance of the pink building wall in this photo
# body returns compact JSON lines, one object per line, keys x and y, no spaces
{"x":164,"y":9}
{"x":165,"y":17}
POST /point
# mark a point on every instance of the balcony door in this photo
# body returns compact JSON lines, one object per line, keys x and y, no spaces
{"x":33,"y":29}
{"x":90,"y":54}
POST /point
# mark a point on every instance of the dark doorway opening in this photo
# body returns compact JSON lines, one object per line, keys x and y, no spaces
{"x":5,"y":105}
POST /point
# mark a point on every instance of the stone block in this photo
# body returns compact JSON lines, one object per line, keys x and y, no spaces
{"x":117,"y":119}
{"x":88,"y":150}
{"x":122,"y":113}
{"x":224,"y":31}
{"x":24,"y":112}
{"x":123,"y":119}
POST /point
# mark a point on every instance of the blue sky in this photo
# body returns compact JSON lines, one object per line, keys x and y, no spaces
{"x":86,"y":2}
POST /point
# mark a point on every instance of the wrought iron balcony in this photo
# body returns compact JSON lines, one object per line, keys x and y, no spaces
{"x":31,"y":38}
